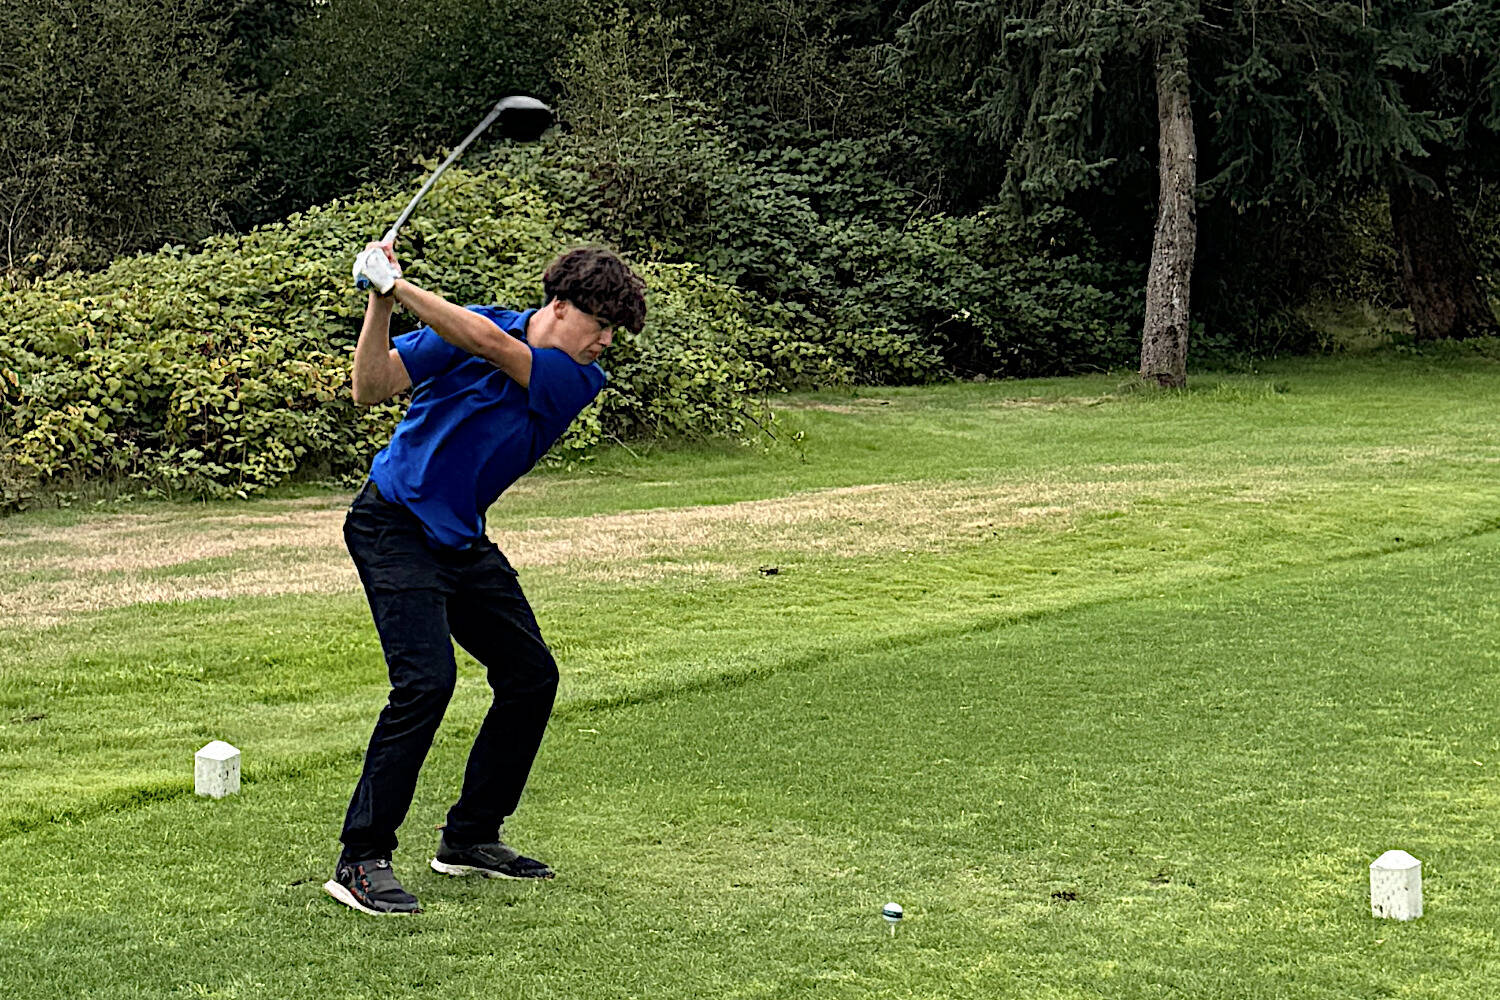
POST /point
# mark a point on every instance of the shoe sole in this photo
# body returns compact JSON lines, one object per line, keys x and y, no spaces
{"x":341,"y":893}
{"x":443,"y":868}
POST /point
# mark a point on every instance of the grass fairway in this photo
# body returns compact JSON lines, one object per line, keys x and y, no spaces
{"x":1117,"y":696}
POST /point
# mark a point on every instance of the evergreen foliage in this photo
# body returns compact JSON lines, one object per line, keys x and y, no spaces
{"x":1310,"y":100}
{"x":1302,"y":108}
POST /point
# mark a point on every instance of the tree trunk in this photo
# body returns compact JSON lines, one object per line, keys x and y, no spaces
{"x":1164,"y":341}
{"x":1438,"y":274}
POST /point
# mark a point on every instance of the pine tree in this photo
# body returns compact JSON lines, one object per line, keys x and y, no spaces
{"x":1320,"y":100}
{"x":1059,"y":85}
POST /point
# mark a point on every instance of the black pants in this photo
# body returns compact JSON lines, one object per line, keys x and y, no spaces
{"x":421,"y":595}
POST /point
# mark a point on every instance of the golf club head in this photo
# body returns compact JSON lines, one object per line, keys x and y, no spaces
{"x":524,"y":119}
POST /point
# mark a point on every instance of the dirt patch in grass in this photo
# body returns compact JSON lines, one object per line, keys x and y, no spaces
{"x":1048,"y":402}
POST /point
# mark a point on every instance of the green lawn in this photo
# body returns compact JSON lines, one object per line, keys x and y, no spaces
{"x":1117,"y":695}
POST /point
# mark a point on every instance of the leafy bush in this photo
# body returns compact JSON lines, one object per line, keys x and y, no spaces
{"x":223,"y":371}
{"x":986,"y":294}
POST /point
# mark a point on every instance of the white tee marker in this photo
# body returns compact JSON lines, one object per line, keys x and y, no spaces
{"x":216,"y":770}
{"x":1396,"y":886}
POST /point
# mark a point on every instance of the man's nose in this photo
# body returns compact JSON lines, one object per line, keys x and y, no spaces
{"x":608,"y":336}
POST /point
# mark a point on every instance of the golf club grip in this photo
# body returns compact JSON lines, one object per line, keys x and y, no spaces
{"x":390,"y":234}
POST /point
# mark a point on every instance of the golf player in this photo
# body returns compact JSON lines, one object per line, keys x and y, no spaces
{"x":492,"y":389}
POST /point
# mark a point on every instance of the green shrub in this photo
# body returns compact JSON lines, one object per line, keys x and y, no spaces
{"x":648,"y":157}
{"x":224,"y":371}
{"x":983,"y":294}
{"x":882,"y":292}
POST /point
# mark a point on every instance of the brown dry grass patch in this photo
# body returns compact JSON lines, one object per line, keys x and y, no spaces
{"x":866,"y":404}
{"x":296,"y":547}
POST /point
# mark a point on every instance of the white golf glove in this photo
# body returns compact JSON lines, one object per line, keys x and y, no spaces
{"x":373,"y":269}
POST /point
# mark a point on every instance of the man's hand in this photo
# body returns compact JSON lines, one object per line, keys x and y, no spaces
{"x":376,"y":267}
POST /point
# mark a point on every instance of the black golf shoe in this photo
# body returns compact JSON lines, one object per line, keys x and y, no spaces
{"x":494,"y":860}
{"x":370,"y":886}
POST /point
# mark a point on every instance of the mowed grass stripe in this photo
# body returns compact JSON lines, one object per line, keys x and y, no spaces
{"x":81,"y":741}
{"x":1149,"y":797}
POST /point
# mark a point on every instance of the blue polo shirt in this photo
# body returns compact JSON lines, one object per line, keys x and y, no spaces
{"x":471,"y":430}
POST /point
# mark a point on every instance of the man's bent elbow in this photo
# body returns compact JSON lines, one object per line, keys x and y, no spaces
{"x":363,"y":396}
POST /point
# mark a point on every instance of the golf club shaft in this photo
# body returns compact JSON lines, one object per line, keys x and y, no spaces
{"x":390,"y":234}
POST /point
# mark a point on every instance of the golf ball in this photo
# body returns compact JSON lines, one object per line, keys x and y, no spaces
{"x":891,"y":912}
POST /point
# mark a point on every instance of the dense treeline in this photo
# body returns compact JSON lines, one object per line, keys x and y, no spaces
{"x":128,"y":123}
{"x":125,"y":124}
{"x":896,"y":190}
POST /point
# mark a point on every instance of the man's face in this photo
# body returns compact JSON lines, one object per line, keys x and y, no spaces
{"x":582,"y":336}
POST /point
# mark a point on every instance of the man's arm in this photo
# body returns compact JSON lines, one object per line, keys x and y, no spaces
{"x":467,"y":331}
{"x":378,"y":371}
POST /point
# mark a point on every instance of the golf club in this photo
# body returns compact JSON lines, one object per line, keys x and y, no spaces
{"x":523,"y":119}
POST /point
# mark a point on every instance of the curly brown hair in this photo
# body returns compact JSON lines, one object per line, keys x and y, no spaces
{"x":597,"y":281}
